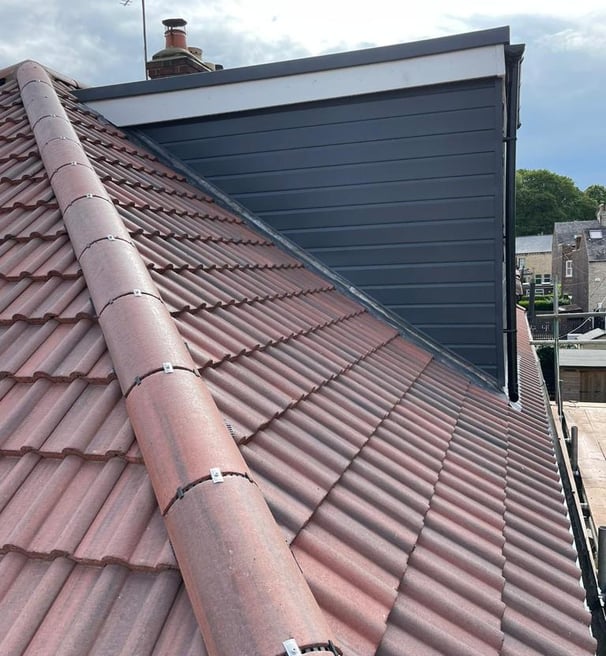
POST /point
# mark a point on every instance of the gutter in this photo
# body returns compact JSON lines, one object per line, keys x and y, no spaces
{"x":513,"y":61}
{"x":572,"y":488}
{"x":247,"y":591}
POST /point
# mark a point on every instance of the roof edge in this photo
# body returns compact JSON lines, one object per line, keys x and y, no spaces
{"x":366,"y":56}
{"x":185,"y":445}
{"x":10,"y":72}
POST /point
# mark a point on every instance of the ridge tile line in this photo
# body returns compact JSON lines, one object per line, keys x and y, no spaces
{"x":255,"y":540}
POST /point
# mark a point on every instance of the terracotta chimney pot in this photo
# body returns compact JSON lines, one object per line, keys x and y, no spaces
{"x":175,"y":33}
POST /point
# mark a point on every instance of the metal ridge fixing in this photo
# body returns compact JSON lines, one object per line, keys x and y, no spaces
{"x":224,"y":536}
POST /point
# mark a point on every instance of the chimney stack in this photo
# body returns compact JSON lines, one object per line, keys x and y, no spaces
{"x":176,"y":58}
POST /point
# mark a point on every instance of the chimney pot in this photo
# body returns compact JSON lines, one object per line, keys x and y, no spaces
{"x":177,"y":58}
{"x":175,"y":33}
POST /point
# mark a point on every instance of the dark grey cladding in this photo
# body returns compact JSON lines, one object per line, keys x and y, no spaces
{"x":403,"y":192}
{"x":400,"y":192}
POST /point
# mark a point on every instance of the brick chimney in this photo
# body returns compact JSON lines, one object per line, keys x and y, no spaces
{"x":176,"y":58}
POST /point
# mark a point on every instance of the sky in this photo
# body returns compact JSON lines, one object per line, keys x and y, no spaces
{"x":563,"y":100}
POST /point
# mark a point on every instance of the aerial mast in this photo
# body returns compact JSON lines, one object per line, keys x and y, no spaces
{"x":126,"y":3}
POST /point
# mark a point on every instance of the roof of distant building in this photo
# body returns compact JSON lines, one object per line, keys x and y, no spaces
{"x":565,"y":233}
{"x":595,"y":240}
{"x":533,"y":244}
{"x":582,"y":358}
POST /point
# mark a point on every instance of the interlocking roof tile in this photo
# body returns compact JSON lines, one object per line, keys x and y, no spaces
{"x":424,"y":511}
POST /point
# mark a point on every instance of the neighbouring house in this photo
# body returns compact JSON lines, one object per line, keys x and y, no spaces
{"x":579,"y":262}
{"x":394,"y":166}
{"x":534,"y":261}
{"x":212,"y":446}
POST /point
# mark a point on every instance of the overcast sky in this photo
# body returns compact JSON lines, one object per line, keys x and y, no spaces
{"x":563,"y":108}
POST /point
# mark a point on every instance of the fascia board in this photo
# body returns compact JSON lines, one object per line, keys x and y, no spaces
{"x":443,"y":68}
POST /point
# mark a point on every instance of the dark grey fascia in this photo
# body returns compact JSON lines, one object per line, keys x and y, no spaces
{"x":495,"y":36}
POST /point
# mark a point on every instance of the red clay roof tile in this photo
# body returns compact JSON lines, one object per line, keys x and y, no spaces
{"x":174,"y":417}
{"x":425,"y":513}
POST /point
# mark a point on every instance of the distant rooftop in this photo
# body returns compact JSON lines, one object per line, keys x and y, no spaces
{"x":594,"y":359}
{"x":565,"y":233}
{"x":595,"y":238}
{"x":533,"y":244}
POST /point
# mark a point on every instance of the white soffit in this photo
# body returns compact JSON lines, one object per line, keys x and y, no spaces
{"x":487,"y":61}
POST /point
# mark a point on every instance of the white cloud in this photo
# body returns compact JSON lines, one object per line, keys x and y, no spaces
{"x":101,"y":43}
{"x":583,"y":34}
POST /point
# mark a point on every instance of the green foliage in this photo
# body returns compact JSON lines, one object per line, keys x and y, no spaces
{"x":597,"y":193}
{"x":544,"y":198}
{"x":543,"y":303}
{"x":540,"y":305}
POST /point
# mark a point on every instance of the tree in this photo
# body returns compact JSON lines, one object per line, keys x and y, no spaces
{"x":597,"y":193}
{"x":544,"y":198}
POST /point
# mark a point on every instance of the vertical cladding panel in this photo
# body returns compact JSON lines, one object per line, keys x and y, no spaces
{"x":375,"y":186}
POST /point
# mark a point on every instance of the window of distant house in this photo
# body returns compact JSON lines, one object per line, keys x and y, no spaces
{"x":569,"y":268}
{"x":521,"y":262}
{"x":538,"y":279}
{"x":547,"y":278}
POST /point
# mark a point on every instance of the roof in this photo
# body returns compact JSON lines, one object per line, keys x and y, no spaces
{"x":425,"y":513}
{"x":470,"y":56}
{"x":565,"y":233}
{"x":595,"y":333}
{"x":583,"y":358}
{"x":534,"y":244}
{"x":362,"y":57}
{"x":590,"y":420}
{"x":595,"y":240}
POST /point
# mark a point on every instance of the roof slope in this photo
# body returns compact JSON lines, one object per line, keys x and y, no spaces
{"x":534,"y":244}
{"x":566,"y":233}
{"x":596,"y":244}
{"x":425,"y":513}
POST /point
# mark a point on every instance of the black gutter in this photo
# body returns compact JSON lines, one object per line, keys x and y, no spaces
{"x":571,"y":483}
{"x":513,"y":61}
